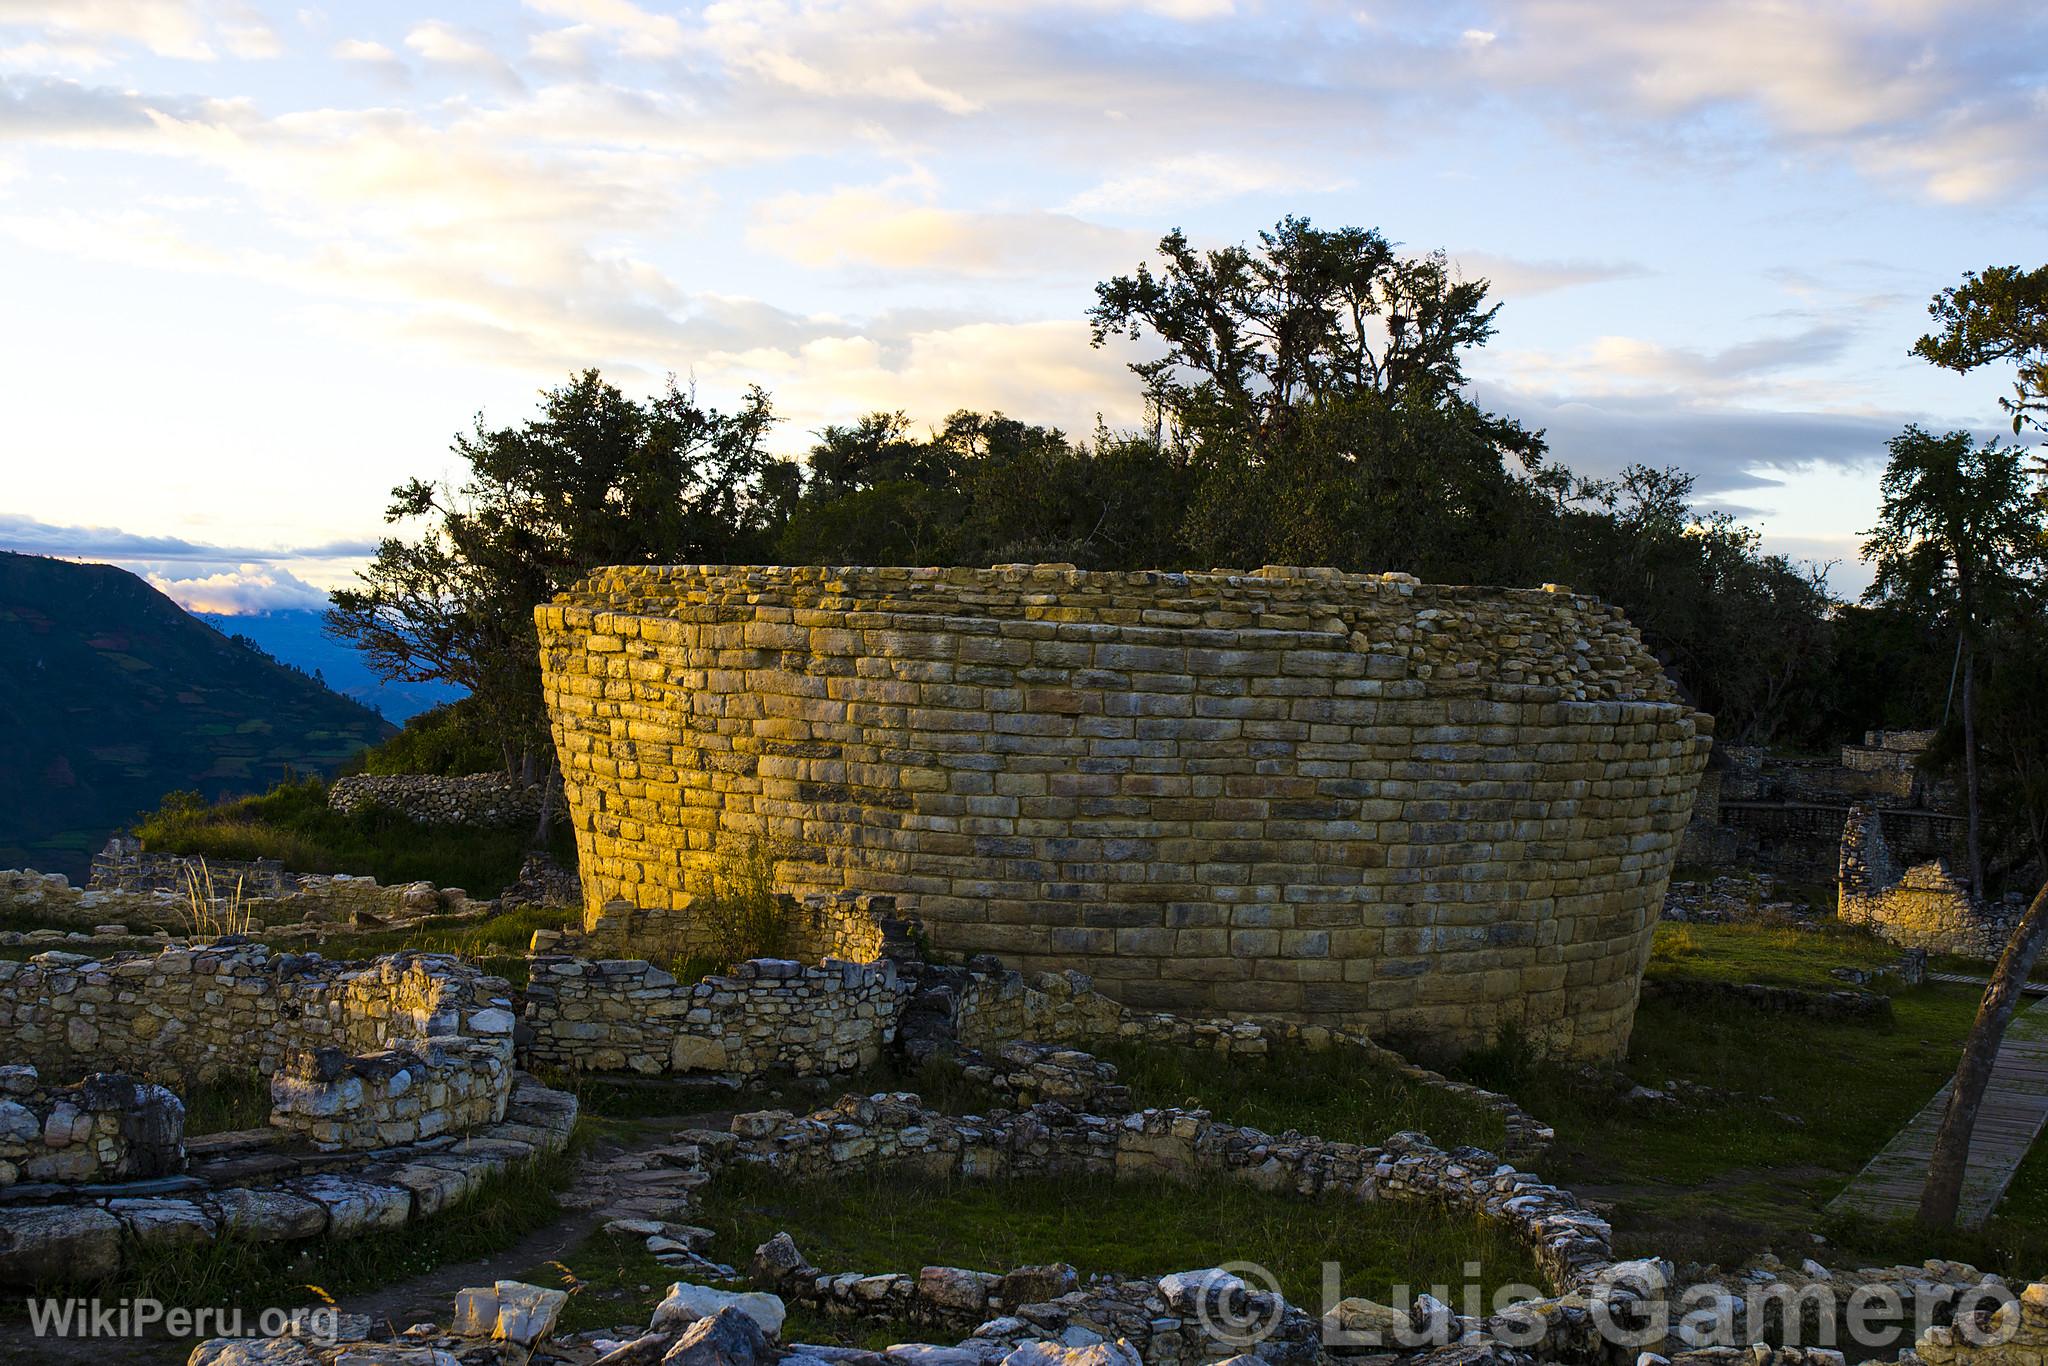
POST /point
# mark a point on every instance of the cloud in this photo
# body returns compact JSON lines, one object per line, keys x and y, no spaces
{"x":868,"y":226}
{"x":633,"y":31}
{"x":33,"y":536}
{"x":373,"y":57}
{"x":246,"y":590}
{"x":1632,"y":365}
{"x":1513,"y":278}
{"x":1179,"y":182}
{"x":443,"y":44}
{"x":1942,"y":95}
{"x":185,"y":29}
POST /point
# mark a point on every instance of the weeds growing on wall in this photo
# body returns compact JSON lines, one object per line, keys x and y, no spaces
{"x":745,"y":917}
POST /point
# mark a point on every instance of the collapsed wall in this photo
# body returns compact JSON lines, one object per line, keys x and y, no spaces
{"x":1924,"y":906}
{"x":1352,"y":800}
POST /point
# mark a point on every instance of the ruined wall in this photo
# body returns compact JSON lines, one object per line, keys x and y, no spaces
{"x":768,"y":1015}
{"x":1352,"y":800}
{"x":106,"y":1128}
{"x":198,"y":1012}
{"x":1920,"y":907}
{"x":400,"y":1095}
{"x":484,"y":800}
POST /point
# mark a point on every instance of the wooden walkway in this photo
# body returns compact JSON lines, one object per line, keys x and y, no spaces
{"x":2015,"y":1110}
{"x":1958,"y":980}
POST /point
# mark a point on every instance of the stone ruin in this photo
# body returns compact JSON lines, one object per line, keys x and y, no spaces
{"x":1350,"y":800}
{"x":1923,"y":906}
{"x":392,"y":1084}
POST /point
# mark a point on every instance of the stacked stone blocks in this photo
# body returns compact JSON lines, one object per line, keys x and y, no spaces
{"x":1352,"y":800}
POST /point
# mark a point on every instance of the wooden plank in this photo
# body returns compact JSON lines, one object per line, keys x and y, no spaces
{"x":2014,"y":1112}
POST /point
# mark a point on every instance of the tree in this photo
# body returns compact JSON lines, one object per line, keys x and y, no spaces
{"x":1255,"y":335}
{"x":2000,"y":315}
{"x":597,"y":478}
{"x":1959,"y":537}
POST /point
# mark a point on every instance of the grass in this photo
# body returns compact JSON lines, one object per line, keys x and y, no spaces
{"x":1806,"y":1103}
{"x":1329,"y":1092}
{"x":223,"y":1103}
{"x":884,"y":1221}
{"x":496,"y":944}
{"x":938,"y":1083}
{"x":292,"y":824}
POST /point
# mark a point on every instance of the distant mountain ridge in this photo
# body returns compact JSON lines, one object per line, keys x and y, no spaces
{"x":299,"y":638}
{"x":112,"y":695}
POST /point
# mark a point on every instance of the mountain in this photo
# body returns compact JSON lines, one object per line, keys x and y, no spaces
{"x":112,"y":695}
{"x":300,"y":639}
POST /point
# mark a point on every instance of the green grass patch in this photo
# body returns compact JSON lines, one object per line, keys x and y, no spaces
{"x":292,"y":824}
{"x":1808,"y":1102}
{"x":896,"y":1221}
{"x":1333,"y":1093}
{"x":1779,"y":955}
{"x":223,"y":1103}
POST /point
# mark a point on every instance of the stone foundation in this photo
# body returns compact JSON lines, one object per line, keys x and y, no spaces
{"x":382,"y":1100}
{"x":106,"y":1128}
{"x":1350,"y":800}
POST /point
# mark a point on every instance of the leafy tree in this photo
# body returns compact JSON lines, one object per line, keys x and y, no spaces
{"x":2000,"y":315}
{"x":1958,"y":540}
{"x":597,"y":478}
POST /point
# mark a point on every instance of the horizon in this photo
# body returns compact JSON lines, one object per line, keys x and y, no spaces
{"x":302,"y":248}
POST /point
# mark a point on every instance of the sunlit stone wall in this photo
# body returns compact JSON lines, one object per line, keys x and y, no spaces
{"x":1351,"y":800}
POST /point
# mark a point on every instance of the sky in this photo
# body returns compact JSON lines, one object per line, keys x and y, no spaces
{"x":258,"y":263}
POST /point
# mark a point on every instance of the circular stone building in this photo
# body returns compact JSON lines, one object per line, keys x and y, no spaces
{"x":1345,"y":799}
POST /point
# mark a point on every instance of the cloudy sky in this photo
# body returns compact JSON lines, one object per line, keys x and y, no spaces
{"x":258,"y":261}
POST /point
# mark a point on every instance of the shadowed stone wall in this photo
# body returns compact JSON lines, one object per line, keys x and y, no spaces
{"x":1353,"y":800}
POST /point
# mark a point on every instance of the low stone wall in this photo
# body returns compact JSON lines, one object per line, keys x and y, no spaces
{"x":235,"y":1006}
{"x":768,"y":1015}
{"x":87,"y":1234}
{"x":106,"y":1128}
{"x":1923,"y":907}
{"x":484,"y":800}
{"x":124,"y":866}
{"x":1570,"y":1244}
{"x":1819,"y":1005}
{"x":381,"y":1100}
{"x":315,"y":901}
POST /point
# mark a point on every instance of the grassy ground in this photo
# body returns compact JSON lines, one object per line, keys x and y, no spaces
{"x":1329,"y":1093}
{"x":496,"y":944}
{"x":292,"y":823}
{"x":884,"y":1221}
{"x":235,"y":1100}
{"x":1806,"y":1103}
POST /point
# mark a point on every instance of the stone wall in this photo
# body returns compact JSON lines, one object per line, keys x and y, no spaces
{"x":124,"y":866}
{"x":768,"y":1015}
{"x":1351,"y":800}
{"x":199,"y":1012}
{"x":106,"y":1128}
{"x":1921,"y":907}
{"x":484,"y":800}
{"x":400,"y":1095}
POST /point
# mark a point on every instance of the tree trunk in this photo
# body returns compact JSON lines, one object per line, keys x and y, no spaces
{"x":1977,"y":887}
{"x":547,"y":805}
{"x":1944,"y":1189}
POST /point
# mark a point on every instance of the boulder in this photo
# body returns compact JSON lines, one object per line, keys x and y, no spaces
{"x":686,"y":1303}
{"x":58,"y":1243}
{"x":508,"y":1311}
{"x":727,"y":1338}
